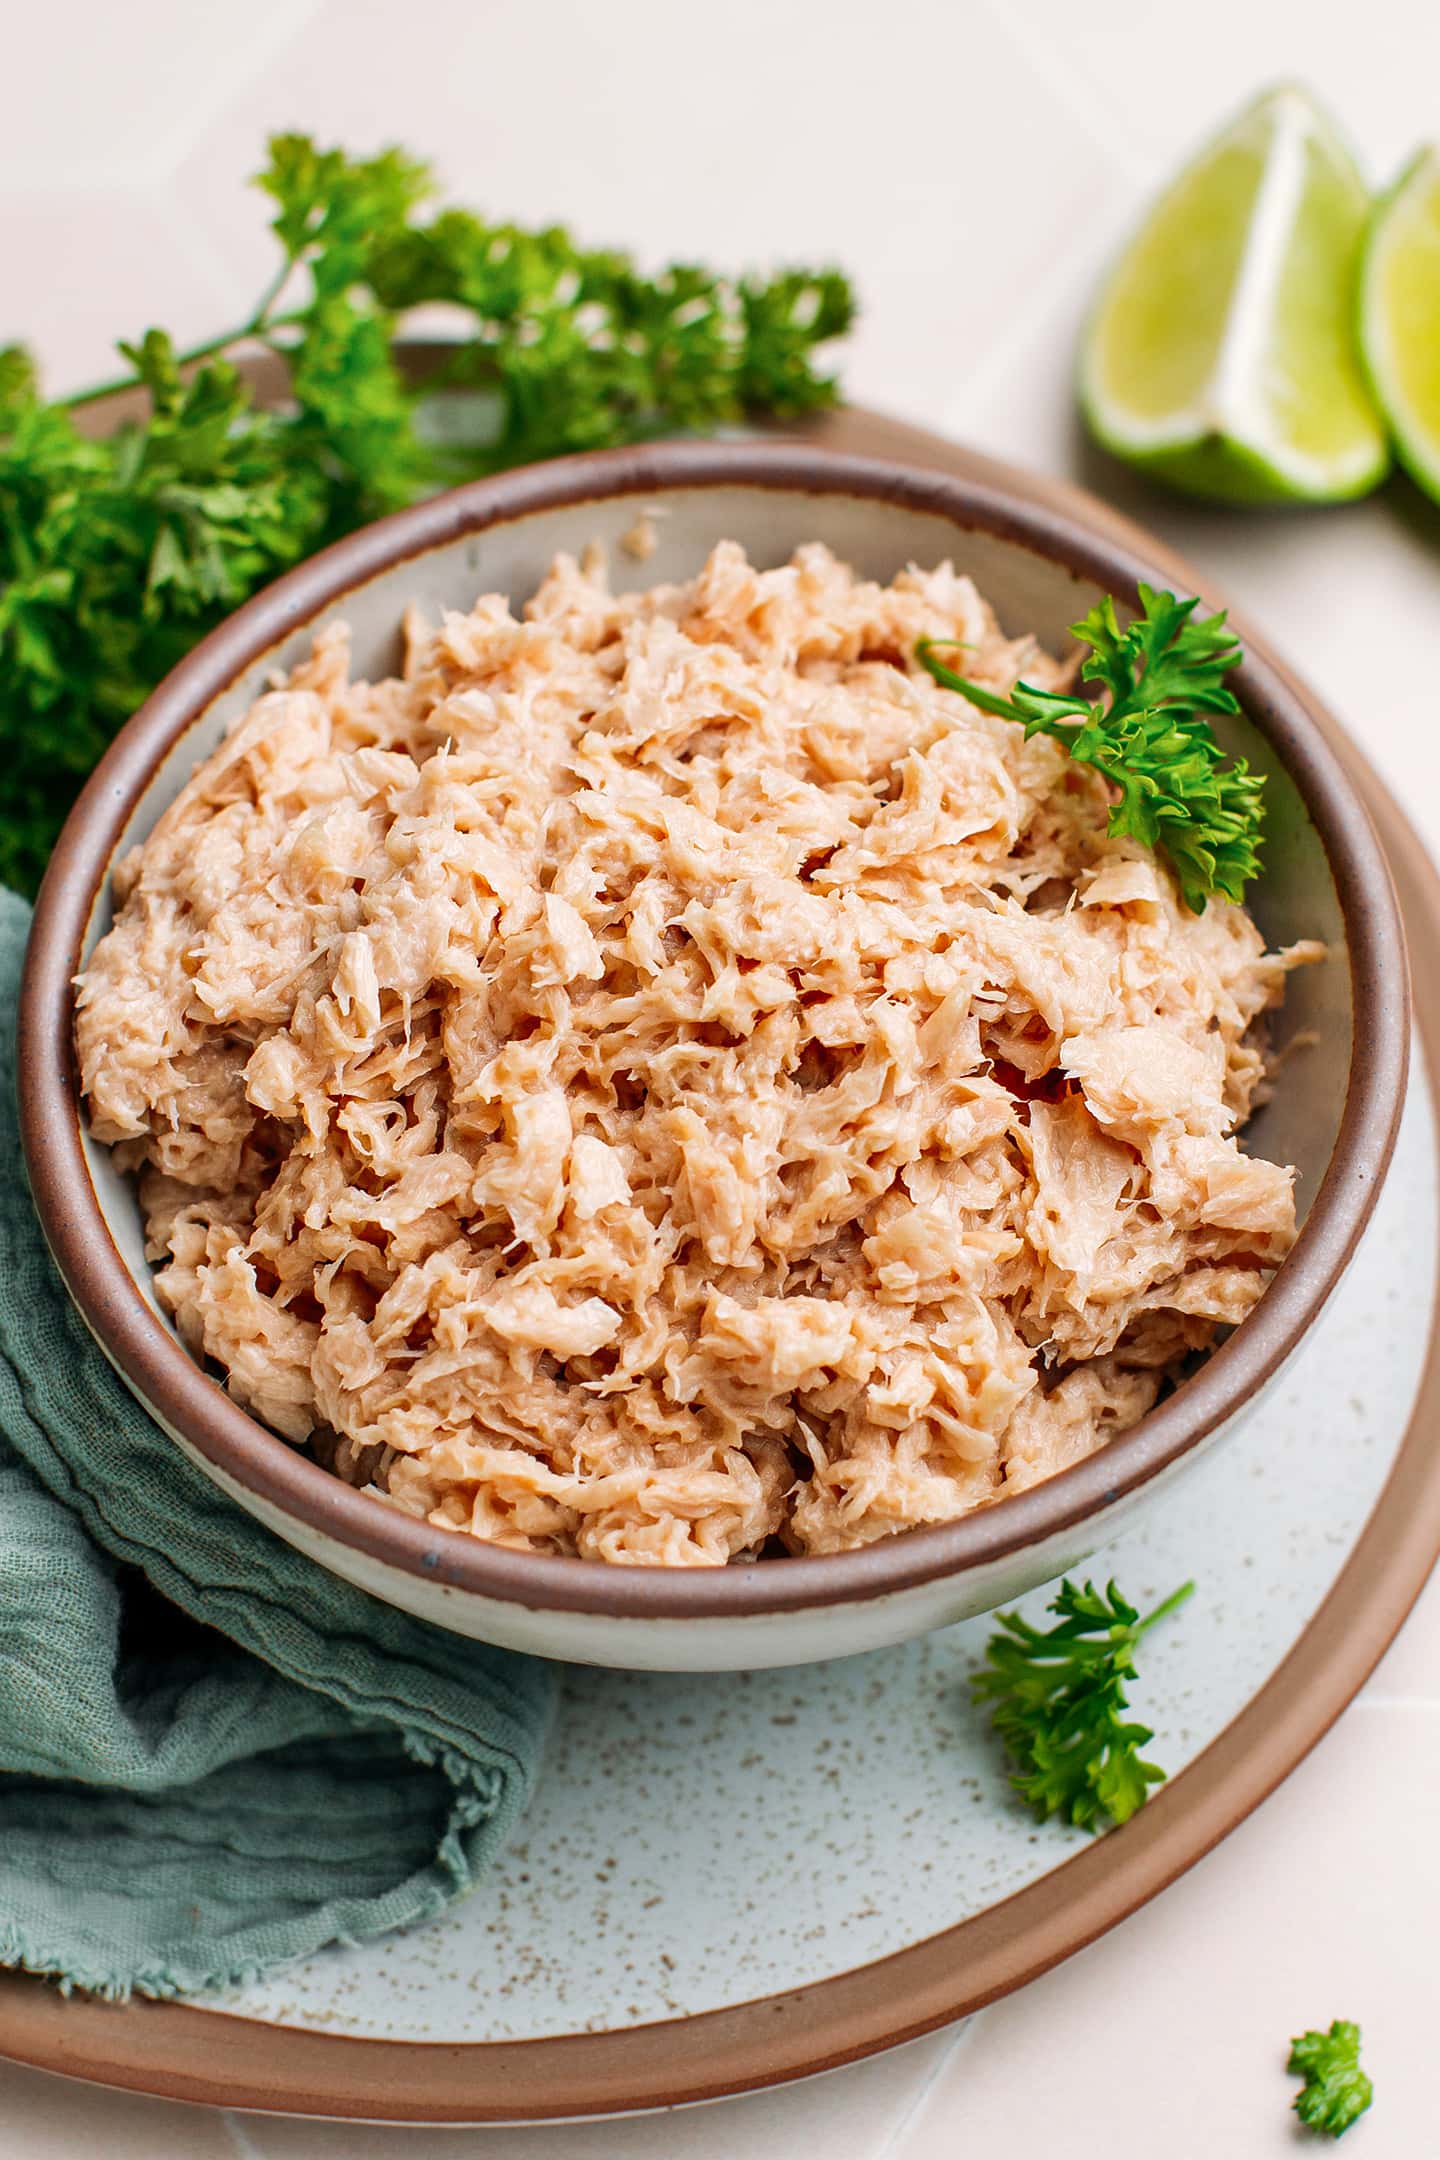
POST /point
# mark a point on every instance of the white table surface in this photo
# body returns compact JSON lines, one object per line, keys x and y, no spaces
{"x":972,"y":164}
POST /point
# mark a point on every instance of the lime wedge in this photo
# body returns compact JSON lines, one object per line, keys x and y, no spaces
{"x":1222,"y":353}
{"x":1400,"y":315}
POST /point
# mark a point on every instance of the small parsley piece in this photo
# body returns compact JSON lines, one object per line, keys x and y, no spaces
{"x":117,"y":555}
{"x":1175,"y":788}
{"x":1336,"y":2091}
{"x":1057,"y":1701}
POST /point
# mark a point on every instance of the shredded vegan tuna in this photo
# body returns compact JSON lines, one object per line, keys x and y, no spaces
{"x":666,"y":1081}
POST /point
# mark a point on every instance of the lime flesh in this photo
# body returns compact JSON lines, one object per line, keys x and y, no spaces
{"x":1222,"y":353}
{"x":1400,"y":316}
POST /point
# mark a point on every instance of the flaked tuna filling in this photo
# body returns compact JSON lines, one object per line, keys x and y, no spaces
{"x":666,"y":1081}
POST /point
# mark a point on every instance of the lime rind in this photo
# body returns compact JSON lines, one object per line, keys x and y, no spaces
{"x":1238,"y":434}
{"x":1416,"y":436}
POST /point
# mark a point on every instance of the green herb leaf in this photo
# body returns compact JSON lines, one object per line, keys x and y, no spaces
{"x":334,"y":210}
{"x":1057,"y":1700}
{"x":1336,"y":2091}
{"x":17,"y":380}
{"x":116,"y":556}
{"x":1175,"y":789}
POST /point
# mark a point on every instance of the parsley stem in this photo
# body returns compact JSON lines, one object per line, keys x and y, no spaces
{"x":258,"y":325}
{"x":1176,"y":1598}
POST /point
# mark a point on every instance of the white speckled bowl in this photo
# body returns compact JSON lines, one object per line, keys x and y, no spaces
{"x":1041,"y":559}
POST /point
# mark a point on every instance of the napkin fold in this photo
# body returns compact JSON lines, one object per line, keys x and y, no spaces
{"x":215,"y":1757}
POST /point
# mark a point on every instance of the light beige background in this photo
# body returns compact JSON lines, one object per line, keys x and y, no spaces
{"x":973,"y":165}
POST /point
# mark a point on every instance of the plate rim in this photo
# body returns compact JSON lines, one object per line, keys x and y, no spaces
{"x":179,"y":2051}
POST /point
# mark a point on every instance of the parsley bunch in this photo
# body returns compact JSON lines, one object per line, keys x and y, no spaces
{"x":117,"y":555}
{"x":1176,"y":791}
{"x":1336,"y":2091}
{"x":1057,"y":1698}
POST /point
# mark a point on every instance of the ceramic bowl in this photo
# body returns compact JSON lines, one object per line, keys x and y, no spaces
{"x":1041,"y":560}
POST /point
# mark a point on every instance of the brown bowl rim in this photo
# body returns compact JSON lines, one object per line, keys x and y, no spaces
{"x":242,"y":1450}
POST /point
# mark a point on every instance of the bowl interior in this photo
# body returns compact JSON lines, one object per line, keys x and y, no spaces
{"x":1295,"y":898}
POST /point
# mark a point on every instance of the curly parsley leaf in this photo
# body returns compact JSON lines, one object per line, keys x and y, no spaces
{"x":332,"y":210}
{"x":1336,"y":2091}
{"x":117,"y":555}
{"x":1057,"y":1700}
{"x":1174,"y":788}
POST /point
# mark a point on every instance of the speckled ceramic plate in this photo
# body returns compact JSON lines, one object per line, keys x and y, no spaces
{"x":727,"y":1881}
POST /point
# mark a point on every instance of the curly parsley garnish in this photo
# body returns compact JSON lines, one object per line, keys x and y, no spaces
{"x":1057,"y":1700}
{"x":117,"y":555}
{"x":1336,"y":2091}
{"x":1177,"y":791}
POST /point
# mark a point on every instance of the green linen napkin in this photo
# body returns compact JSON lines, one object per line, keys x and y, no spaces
{"x":190,"y":1798}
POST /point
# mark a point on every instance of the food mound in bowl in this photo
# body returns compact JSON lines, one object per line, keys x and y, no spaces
{"x":668,"y":1081}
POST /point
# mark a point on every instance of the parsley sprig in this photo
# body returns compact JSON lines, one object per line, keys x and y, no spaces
{"x":117,"y":555}
{"x":1176,"y":790}
{"x":1336,"y":2091}
{"x":1057,"y":1700}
